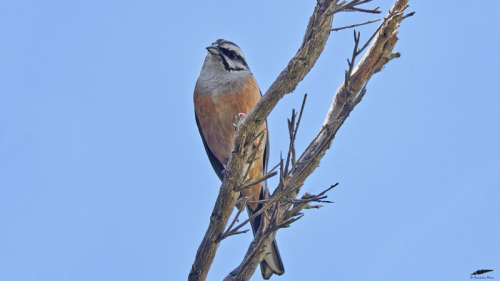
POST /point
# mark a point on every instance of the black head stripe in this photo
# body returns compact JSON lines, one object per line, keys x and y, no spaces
{"x":231,"y":55}
{"x":225,"y":63}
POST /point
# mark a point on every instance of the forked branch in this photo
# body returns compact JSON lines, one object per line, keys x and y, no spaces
{"x":282,"y":207}
{"x":346,"y":98}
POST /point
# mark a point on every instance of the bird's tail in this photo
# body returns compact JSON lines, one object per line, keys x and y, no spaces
{"x":272,"y":263}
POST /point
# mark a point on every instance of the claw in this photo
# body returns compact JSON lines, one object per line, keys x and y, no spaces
{"x":238,"y":118}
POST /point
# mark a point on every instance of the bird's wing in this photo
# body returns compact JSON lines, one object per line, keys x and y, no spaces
{"x":216,"y":164}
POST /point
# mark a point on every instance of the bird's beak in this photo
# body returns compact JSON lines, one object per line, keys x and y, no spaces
{"x":213,"y":50}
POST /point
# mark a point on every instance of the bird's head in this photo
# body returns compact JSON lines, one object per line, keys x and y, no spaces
{"x":228,"y":54}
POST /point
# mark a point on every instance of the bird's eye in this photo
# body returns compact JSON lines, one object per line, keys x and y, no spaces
{"x":229,"y":53}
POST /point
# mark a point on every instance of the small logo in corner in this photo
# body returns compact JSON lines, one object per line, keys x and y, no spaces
{"x":475,"y":274}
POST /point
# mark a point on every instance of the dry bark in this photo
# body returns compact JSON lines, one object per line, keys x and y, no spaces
{"x":283,"y":208}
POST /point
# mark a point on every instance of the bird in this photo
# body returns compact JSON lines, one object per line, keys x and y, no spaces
{"x":225,"y":92}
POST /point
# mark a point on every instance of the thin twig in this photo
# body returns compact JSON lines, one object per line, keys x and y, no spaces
{"x":349,"y":7}
{"x":253,"y":155}
{"x":309,"y":146}
{"x":371,"y":37}
{"x":354,"y":25}
{"x":274,"y":168}
{"x":291,"y":146}
{"x":226,"y":235}
{"x":293,"y":128}
{"x":256,"y":214}
{"x":297,"y":125}
{"x":408,"y":15}
{"x":282,"y":174}
{"x":229,"y":229}
{"x":264,"y":178}
{"x":274,"y":216}
{"x":370,"y":11}
{"x":353,"y":58}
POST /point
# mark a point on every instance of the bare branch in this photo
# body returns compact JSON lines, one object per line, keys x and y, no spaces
{"x":281,"y":206}
{"x":408,"y":15}
{"x":264,"y":178}
{"x":351,"y":6}
{"x":346,"y":97}
{"x":298,"y":124}
{"x":293,"y":129}
{"x":357,"y":36}
{"x":291,"y":147}
{"x":370,"y":11}
{"x":354,"y":25}
{"x":229,"y":230}
{"x":315,"y":38}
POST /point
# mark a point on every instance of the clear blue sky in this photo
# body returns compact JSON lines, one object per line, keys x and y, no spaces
{"x":103,"y":175}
